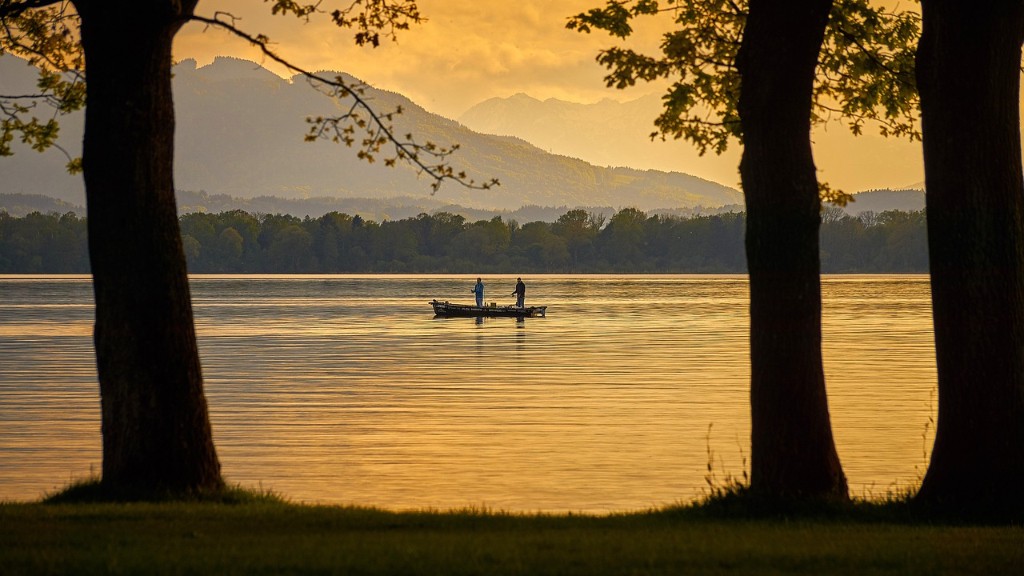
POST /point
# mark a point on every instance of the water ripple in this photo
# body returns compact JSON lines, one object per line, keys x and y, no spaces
{"x":341,"y":389}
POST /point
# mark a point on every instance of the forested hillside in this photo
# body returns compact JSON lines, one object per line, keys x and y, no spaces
{"x":630,"y":241}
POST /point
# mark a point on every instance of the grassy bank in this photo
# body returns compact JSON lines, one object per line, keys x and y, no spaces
{"x":278,"y":538}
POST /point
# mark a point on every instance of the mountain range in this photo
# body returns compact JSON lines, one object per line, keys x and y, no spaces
{"x":397,"y":208}
{"x":240,"y":132}
{"x":605,"y":133}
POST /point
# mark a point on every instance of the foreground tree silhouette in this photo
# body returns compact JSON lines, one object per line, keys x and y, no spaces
{"x":156,"y":429}
{"x":792,"y":450}
{"x":968,"y":73}
{"x":157,"y":439}
{"x":793,"y":59}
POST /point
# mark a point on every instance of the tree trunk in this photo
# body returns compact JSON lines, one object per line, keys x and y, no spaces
{"x":792,"y":450}
{"x":968,"y":74}
{"x":157,"y":438}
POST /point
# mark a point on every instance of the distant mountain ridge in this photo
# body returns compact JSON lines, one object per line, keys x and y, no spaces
{"x":19,"y":205}
{"x":376,"y":209}
{"x":240,"y":132}
{"x":879,"y":201}
{"x":618,"y":133}
{"x":579,"y":130}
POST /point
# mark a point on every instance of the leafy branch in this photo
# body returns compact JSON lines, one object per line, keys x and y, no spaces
{"x":367,"y":17}
{"x":375,"y":127}
{"x":14,"y":8}
{"x":865,"y":70}
{"x":40,"y":30}
{"x":700,"y":104}
{"x":866,"y":65}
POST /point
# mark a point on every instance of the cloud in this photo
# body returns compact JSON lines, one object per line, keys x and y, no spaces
{"x":472,"y":50}
{"x":467,"y":51}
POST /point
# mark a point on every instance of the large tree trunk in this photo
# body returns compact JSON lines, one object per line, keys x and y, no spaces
{"x":968,"y":74}
{"x":157,"y":438}
{"x":792,"y":450}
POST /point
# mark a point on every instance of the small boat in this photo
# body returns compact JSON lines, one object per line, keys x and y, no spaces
{"x":448,"y":309}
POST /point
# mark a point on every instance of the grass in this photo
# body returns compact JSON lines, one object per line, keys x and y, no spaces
{"x":263,"y":534}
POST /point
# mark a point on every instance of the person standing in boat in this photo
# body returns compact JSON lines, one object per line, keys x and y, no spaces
{"x":479,"y":291}
{"x":520,"y":293}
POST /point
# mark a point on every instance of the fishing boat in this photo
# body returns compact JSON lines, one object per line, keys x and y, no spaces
{"x":448,"y":309}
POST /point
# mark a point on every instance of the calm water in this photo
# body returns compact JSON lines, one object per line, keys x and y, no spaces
{"x":343,"y":389}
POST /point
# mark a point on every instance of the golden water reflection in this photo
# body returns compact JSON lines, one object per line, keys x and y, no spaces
{"x":340,"y":389}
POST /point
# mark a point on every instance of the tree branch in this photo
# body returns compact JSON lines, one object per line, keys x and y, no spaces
{"x":14,"y":8}
{"x":853,"y":39}
{"x":377,"y":127}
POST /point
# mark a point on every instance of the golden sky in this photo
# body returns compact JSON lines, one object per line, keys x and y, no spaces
{"x":471,"y":50}
{"x":467,"y":51}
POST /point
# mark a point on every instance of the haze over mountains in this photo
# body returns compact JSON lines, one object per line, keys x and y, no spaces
{"x":611,"y":133}
{"x":240,"y":132}
{"x":605,"y":133}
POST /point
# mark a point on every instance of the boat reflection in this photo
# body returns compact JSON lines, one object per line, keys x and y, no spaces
{"x":520,"y":322}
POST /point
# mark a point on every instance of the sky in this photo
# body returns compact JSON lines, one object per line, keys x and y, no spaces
{"x":471,"y":50}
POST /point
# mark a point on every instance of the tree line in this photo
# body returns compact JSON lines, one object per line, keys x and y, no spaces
{"x":579,"y":241}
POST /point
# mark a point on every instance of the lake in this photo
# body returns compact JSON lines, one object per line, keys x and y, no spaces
{"x":346,"y":389}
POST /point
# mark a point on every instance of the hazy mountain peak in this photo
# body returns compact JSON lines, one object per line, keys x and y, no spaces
{"x":186,"y":65}
{"x":606,"y":132}
{"x":240,"y":132}
{"x":331,"y":75}
{"x":908,"y":200}
{"x":226,"y":68}
{"x":520,"y":97}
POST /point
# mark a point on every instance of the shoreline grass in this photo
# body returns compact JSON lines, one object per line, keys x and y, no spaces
{"x":257,"y":532}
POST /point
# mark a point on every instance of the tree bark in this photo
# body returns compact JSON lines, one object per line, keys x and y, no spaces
{"x":157,"y":438}
{"x":968,"y":75}
{"x":793,"y":454}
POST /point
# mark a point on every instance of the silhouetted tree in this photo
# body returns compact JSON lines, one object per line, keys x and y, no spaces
{"x":792,"y":450}
{"x":156,"y":431}
{"x":968,"y":72}
{"x":750,"y":73}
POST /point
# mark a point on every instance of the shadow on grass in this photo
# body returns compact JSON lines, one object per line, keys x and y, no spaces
{"x":92,"y":490}
{"x":739,"y":502}
{"x":731,"y":502}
